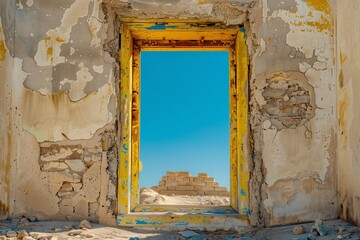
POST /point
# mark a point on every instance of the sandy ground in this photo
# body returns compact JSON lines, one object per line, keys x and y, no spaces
{"x":60,"y":230}
{"x":149,"y":196}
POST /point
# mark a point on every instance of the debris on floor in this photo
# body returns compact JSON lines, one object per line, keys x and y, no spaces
{"x":62,"y":230}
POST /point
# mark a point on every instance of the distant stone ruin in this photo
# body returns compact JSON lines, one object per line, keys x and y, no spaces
{"x":182,"y":183}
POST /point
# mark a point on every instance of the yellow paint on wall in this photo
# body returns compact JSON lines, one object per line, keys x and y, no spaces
{"x":49,"y":53}
{"x":2,"y":47}
{"x":2,"y":51}
{"x":343,"y":57}
{"x":320,"y":5}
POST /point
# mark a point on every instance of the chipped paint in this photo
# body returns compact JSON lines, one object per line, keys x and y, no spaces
{"x":130,"y":91}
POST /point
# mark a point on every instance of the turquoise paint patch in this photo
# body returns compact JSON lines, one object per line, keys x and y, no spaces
{"x":160,"y":26}
{"x":182,"y":224}
{"x":242,"y":29}
{"x":242,"y":192}
{"x":143,"y":222}
{"x":125,"y":149}
{"x":246,"y":211}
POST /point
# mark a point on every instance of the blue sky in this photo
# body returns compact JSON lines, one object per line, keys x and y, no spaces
{"x":184,"y":114}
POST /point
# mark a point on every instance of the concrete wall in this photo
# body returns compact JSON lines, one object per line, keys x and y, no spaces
{"x":348,"y":49}
{"x":62,"y":70}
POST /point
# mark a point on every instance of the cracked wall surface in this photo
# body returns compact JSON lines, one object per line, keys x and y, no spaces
{"x":348,"y":50}
{"x":59,"y":112}
{"x":60,"y":65}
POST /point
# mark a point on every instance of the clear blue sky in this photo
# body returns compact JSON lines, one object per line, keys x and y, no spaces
{"x":184,"y":114}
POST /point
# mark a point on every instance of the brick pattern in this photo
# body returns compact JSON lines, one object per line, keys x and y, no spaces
{"x":182,"y":183}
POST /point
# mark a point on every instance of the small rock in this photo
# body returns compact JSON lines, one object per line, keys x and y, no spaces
{"x":11,"y":234}
{"x":57,"y":229}
{"x":22,"y":234}
{"x":85,"y":224}
{"x":297,"y":230}
{"x":38,"y":235}
{"x":321,"y":229}
{"x":75,"y":232}
{"x":311,"y":237}
{"x":318,"y":228}
{"x":32,"y":219}
{"x":88,"y":236}
{"x":28,"y":238}
{"x":188,"y":233}
{"x":69,"y":227}
{"x":24,"y":221}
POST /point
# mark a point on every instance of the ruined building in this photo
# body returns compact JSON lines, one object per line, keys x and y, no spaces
{"x":69,"y":94}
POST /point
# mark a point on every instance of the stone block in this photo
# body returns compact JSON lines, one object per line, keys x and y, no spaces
{"x":66,"y":187}
{"x":183,"y":179}
{"x":208,"y":188}
{"x":173,"y":174}
{"x":183,"y":174}
{"x":211,"y":193}
{"x":224,"y":189}
{"x":203,"y":175}
{"x":181,"y":188}
{"x":76,"y":165}
{"x":209,"y":179}
{"x":199,"y":179}
{"x":224,"y":194}
{"x":171,"y":183}
{"x":169,"y":193}
{"x":181,"y":183}
{"x":54,"y":166}
{"x":202,"y":184}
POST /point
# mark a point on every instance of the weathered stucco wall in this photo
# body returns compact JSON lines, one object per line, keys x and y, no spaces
{"x":5,"y":124}
{"x":293,"y":92}
{"x":348,"y":49}
{"x":63,"y":57}
{"x":63,"y":110}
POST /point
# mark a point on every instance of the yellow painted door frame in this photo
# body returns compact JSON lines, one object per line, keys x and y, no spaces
{"x":170,"y":35}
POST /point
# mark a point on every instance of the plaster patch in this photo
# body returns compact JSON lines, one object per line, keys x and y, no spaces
{"x":49,"y":49}
{"x":76,"y":91}
{"x":62,"y":118}
{"x":29,"y":3}
{"x":98,"y":68}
